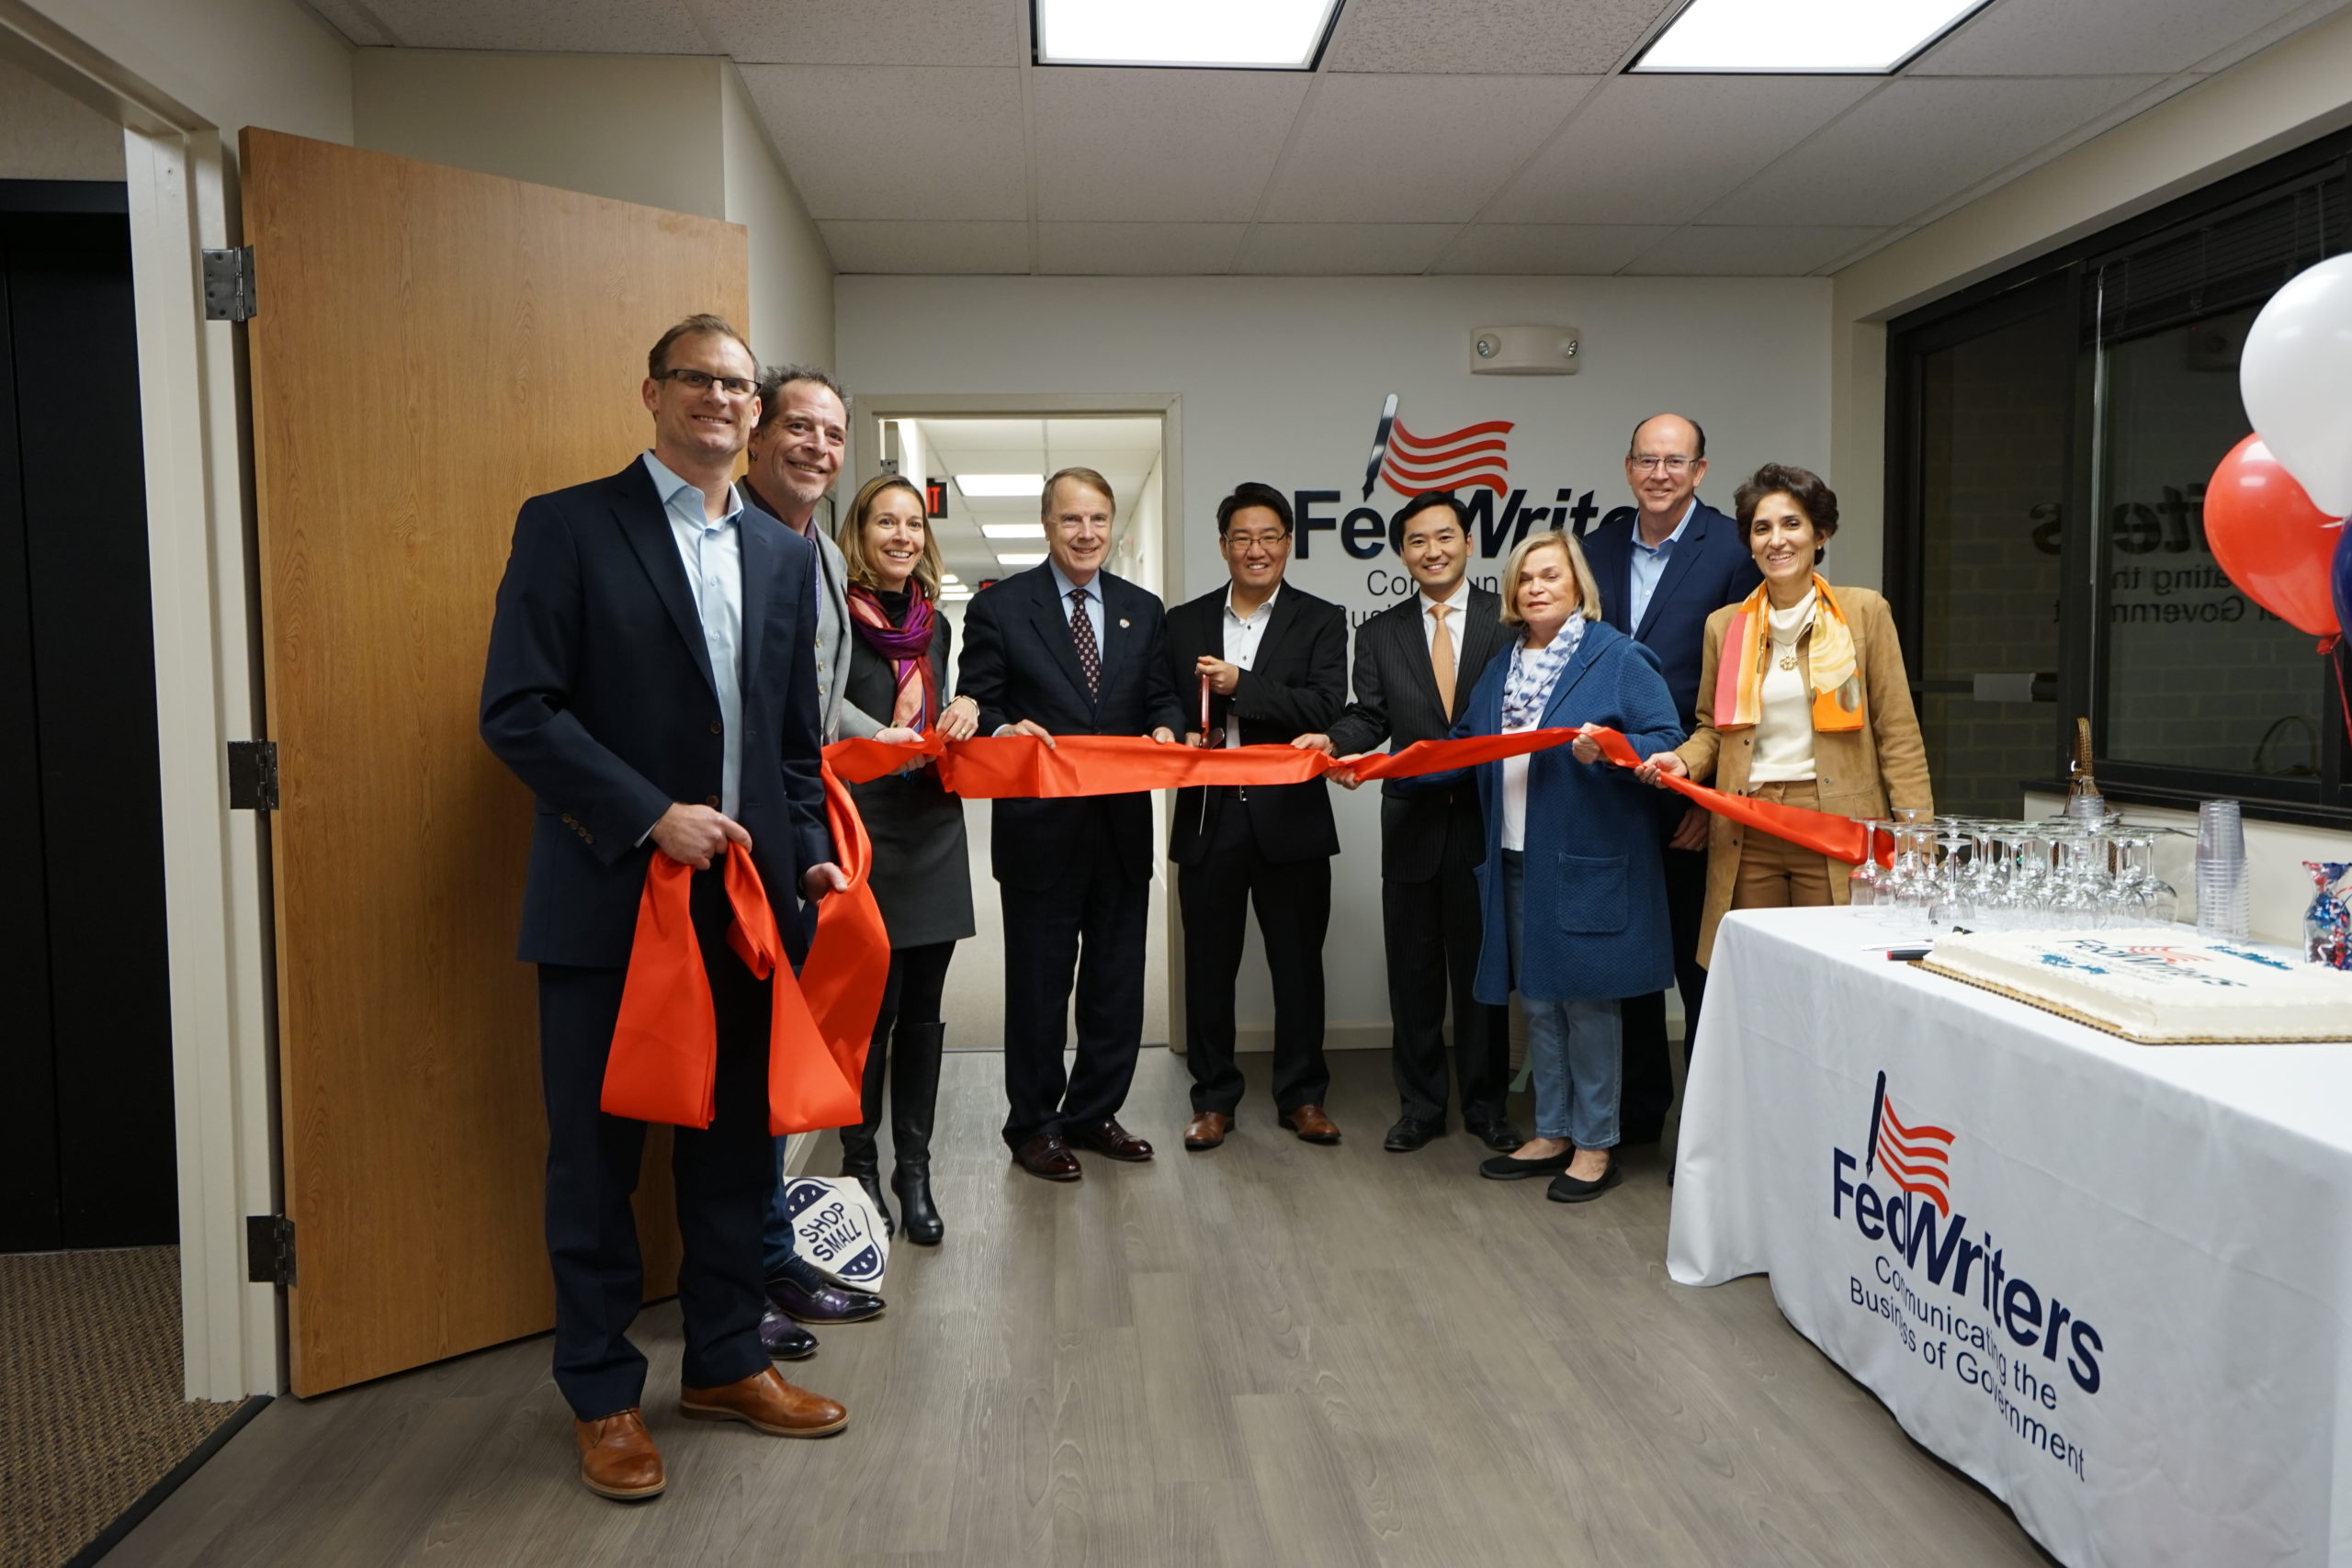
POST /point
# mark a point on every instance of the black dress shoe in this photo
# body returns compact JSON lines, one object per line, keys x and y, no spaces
{"x":1410,"y":1132}
{"x":1499,"y":1135}
{"x":800,"y":1293}
{"x":912,"y":1184}
{"x":1502,"y":1168}
{"x":1567,"y":1189}
{"x":1107,"y":1137}
{"x":1045,"y":1154}
{"x":871,"y":1179}
{"x":784,"y":1340}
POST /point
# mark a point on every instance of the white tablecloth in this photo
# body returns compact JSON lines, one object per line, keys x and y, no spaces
{"x":2183,"y":1214}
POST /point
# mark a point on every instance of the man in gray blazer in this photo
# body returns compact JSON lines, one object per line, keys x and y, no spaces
{"x":796,"y":455}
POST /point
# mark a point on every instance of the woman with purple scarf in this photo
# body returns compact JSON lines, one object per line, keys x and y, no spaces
{"x":922,"y":877}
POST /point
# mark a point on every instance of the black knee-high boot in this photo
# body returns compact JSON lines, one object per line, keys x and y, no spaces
{"x":914,"y":1104}
{"x":858,"y":1155}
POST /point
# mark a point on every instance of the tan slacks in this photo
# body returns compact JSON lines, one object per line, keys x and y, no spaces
{"x":1775,"y":873}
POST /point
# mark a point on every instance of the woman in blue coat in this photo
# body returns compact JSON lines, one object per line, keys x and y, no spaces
{"x":1572,"y":893}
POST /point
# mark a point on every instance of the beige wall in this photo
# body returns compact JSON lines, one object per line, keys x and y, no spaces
{"x":674,"y":131}
{"x":45,"y":135}
{"x":235,"y":63}
{"x":2278,"y":99}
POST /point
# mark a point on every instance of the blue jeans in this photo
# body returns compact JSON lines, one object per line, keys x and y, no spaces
{"x":1575,"y":1049}
{"x":776,"y":1235}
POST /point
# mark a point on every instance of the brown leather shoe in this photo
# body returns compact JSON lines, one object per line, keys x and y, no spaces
{"x":618,"y":1459}
{"x":1309,"y":1123}
{"x":1045,"y":1154}
{"x":1207,"y":1130}
{"x":766,"y":1401}
{"x":1107,"y":1137}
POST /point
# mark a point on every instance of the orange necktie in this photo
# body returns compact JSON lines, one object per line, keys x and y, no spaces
{"x":1441,"y":657}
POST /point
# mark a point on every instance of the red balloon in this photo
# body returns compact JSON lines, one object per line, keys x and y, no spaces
{"x":2267,"y":535}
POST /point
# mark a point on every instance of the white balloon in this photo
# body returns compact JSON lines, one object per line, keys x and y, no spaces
{"x":2296,"y":378}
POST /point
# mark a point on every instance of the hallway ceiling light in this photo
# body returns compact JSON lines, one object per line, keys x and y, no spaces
{"x":1012,"y":530}
{"x":980,"y":486}
{"x":1261,"y":35}
{"x":1019,"y":557}
{"x":949,"y":580}
{"x":1802,"y":37}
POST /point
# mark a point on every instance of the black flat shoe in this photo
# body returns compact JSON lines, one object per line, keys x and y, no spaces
{"x":1499,"y":1135}
{"x":1567,"y":1189}
{"x":1503,"y":1168}
{"x":917,"y":1215}
{"x":1411,"y":1132}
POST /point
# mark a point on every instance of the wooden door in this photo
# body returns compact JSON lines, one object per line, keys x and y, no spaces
{"x":432,"y":347}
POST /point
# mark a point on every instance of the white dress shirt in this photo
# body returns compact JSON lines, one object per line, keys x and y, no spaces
{"x":712,"y":555}
{"x":1242,"y":636}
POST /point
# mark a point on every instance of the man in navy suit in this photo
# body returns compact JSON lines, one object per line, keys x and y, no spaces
{"x":1663,"y":571}
{"x":1067,"y":649}
{"x":651,"y":678}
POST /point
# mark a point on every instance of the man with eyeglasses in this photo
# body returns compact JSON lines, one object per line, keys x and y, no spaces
{"x":651,"y":679}
{"x":1257,"y":662}
{"x":1662,"y":573}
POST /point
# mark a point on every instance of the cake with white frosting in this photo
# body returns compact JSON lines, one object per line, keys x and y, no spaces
{"x":2160,"y":985}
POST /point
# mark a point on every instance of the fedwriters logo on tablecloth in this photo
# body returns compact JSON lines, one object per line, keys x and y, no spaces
{"x":1951,"y":1296}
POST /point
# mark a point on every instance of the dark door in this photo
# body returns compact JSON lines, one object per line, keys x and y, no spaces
{"x":85,"y":1051}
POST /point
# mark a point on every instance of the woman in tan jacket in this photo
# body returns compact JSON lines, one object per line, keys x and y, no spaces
{"x":1802,"y":701}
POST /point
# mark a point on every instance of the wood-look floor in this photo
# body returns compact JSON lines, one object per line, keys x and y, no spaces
{"x":1273,"y":1353}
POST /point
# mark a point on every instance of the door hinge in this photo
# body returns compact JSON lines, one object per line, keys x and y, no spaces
{"x":270,"y":1250}
{"x":252,"y":775}
{"x":229,"y":285}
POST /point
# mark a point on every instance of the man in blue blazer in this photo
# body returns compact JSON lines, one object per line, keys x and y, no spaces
{"x":1067,"y":649}
{"x":1663,"y":571}
{"x":651,"y":678}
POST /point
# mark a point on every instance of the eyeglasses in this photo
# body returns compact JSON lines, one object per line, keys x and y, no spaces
{"x":703,"y":381}
{"x":1650,"y":465}
{"x":1247,"y":541}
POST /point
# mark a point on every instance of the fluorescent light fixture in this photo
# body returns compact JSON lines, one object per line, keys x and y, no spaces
{"x":1012,"y":530}
{"x":1259,"y":35}
{"x":949,"y":580}
{"x":1802,"y":37}
{"x":979,"y":486}
{"x":1019,"y":557}
{"x":953,"y":595}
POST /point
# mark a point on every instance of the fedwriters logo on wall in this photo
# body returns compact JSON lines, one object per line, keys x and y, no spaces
{"x":1950,"y":1296}
{"x":1473,"y":460}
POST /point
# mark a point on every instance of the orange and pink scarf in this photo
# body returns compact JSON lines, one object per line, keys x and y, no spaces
{"x":1830,"y":669}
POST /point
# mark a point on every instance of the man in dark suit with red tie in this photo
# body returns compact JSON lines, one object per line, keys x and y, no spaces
{"x":651,"y":678}
{"x":1415,"y":663}
{"x":1272,"y":660}
{"x":1663,"y":571}
{"x":1067,"y":649}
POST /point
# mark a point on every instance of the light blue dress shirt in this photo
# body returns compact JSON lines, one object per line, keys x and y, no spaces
{"x":1649,"y":565}
{"x":713,"y":554}
{"x":1063,"y":587}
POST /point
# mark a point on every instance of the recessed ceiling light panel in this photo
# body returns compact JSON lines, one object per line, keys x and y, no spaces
{"x":1246,"y":35}
{"x":976,"y":486}
{"x":1019,"y":557}
{"x":1012,"y":530}
{"x":1802,"y":37}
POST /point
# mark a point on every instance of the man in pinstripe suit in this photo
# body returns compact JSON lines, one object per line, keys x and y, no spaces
{"x":1415,"y":665}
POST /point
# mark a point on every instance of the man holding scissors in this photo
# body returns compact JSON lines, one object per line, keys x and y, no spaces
{"x":1258,"y":663}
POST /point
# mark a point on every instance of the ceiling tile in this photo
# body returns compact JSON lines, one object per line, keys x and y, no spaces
{"x":1414,"y":149}
{"x":2096,"y":38}
{"x":1343,"y":249}
{"x":861,"y":245}
{"x":1919,"y":142}
{"x":866,"y":32}
{"x":897,"y":141}
{"x":1159,"y":145}
{"x":1156,"y":249}
{"x":1662,"y":149}
{"x":1489,"y":36}
{"x":572,"y":26}
{"x":355,"y":23}
{"x":1550,"y":249}
{"x":1767,"y":250}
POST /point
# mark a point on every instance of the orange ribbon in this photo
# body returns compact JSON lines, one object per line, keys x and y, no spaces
{"x":664,"y":1060}
{"x":1824,"y":832}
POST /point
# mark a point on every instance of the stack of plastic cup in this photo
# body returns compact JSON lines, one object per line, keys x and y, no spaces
{"x":2220,"y":871}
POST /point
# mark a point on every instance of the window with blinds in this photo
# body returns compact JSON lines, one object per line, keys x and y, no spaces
{"x":2237,"y":256}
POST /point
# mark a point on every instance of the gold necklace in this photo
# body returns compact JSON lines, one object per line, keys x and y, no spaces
{"x":1787,"y":650}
